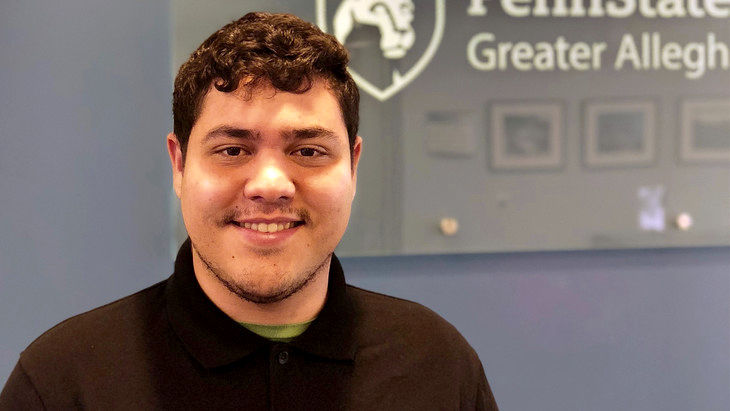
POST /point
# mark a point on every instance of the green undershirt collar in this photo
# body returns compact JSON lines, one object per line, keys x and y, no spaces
{"x":278,"y":333}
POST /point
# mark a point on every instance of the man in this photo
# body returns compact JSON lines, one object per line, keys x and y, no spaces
{"x":257,"y":314}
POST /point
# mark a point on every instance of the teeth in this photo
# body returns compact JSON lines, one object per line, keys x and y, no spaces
{"x":268,"y":228}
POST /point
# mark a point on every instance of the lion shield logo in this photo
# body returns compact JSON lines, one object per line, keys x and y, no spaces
{"x":393,"y":21}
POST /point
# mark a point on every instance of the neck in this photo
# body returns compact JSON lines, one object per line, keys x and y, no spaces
{"x":303,"y":305}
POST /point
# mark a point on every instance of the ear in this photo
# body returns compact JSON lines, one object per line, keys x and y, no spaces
{"x":356,"y":151}
{"x":176,"y":161}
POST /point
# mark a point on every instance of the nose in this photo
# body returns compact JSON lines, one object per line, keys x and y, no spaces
{"x":269,"y":183}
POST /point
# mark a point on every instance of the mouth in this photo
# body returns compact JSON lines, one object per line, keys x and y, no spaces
{"x":268,"y":227}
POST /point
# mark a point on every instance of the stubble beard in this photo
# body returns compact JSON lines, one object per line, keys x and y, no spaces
{"x":284,"y":291}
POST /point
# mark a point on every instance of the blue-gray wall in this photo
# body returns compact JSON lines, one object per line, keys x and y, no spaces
{"x":599,"y":330}
{"x":84,"y":186}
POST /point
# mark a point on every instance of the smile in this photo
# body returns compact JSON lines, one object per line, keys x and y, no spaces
{"x":264,"y":227}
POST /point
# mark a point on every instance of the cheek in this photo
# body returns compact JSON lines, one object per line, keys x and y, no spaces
{"x":206,"y":194}
{"x":332,"y":193}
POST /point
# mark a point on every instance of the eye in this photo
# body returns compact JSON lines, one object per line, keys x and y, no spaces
{"x":311,"y":154}
{"x":232,"y":151}
{"x":231,"y":154}
{"x":307,"y":152}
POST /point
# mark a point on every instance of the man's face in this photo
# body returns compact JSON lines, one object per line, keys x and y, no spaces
{"x":266,"y":187}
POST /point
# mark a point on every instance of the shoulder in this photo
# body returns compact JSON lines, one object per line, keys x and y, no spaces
{"x":95,"y":323}
{"x":385,"y":307}
{"x":404,"y":347}
{"x":95,"y":337}
{"x":411,"y":324}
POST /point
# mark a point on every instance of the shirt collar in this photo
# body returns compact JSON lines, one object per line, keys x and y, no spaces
{"x":214,"y":339}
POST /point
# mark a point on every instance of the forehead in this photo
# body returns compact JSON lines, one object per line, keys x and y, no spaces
{"x":264,"y":108}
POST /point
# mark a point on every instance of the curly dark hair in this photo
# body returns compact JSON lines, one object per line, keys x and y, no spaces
{"x":280,"y":49}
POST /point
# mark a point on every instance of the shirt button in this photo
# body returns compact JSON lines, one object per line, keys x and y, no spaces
{"x":283,"y":357}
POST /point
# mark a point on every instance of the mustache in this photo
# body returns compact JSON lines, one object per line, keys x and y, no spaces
{"x":237,"y":214}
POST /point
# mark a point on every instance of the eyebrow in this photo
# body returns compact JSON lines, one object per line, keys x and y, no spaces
{"x":246,"y":134}
{"x":229,"y":131}
{"x":310,"y":132}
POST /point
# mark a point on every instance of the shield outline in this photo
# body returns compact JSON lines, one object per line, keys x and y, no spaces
{"x":399,"y":81}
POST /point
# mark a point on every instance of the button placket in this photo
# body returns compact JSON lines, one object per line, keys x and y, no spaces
{"x":283,"y":357}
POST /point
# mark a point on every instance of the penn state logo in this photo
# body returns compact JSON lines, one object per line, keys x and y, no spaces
{"x":399,"y":38}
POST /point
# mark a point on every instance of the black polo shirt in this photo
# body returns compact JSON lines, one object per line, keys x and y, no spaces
{"x":170,"y":347}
